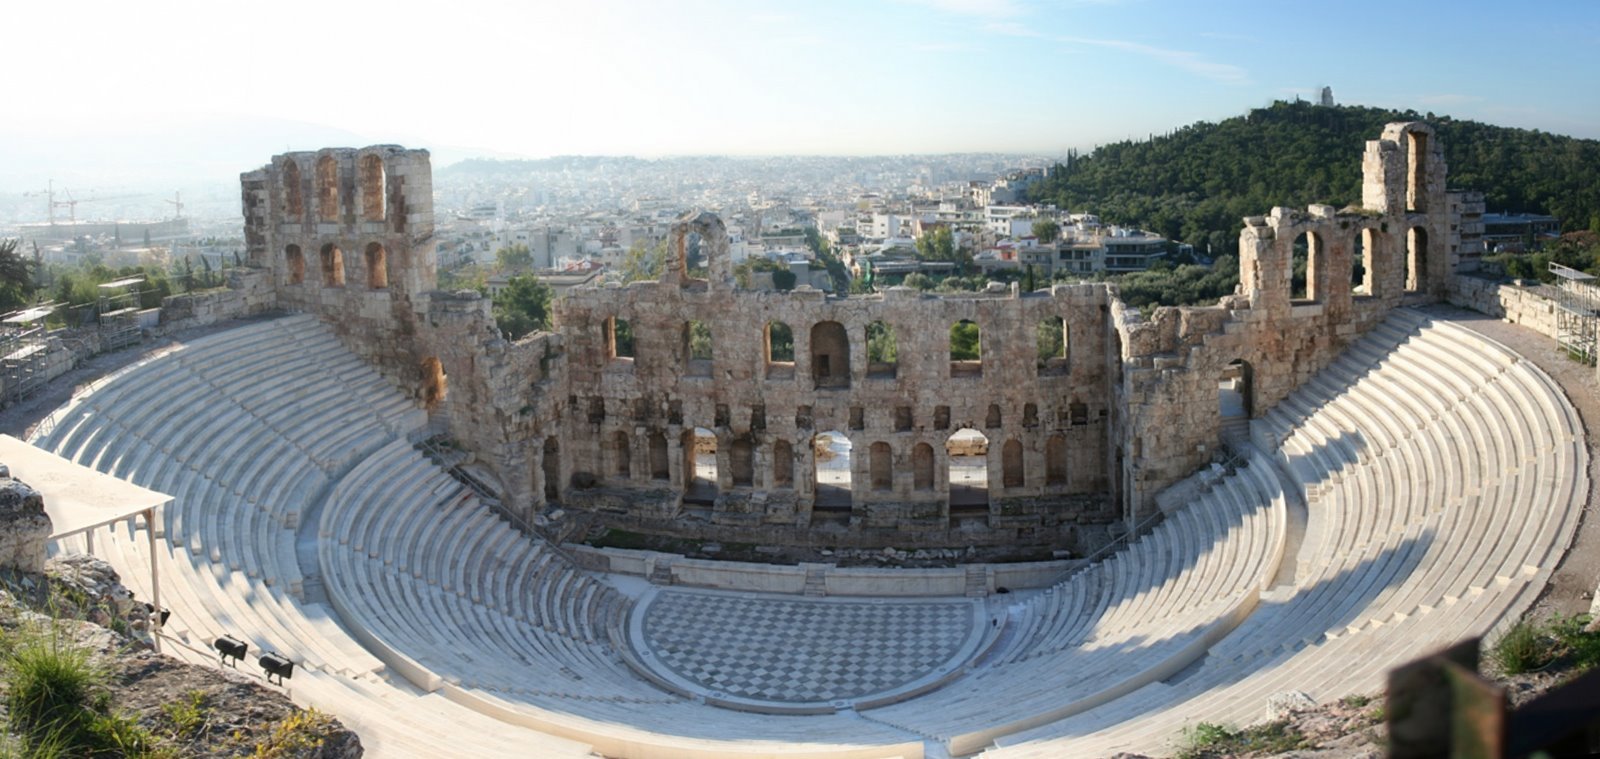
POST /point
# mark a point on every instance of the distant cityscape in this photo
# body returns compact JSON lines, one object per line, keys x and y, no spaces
{"x":579,"y":217}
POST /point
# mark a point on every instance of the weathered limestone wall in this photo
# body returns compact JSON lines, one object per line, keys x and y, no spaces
{"x":249,"y":292}
{"x":632,"y":421}
{"x":24,"y":527}
{"x":1527,"y":306}
{"x":582,"y":418}
{"x":347,"y":234}
{"x":1285,"y":334}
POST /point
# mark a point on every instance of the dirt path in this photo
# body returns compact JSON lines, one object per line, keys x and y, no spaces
{"x":1572,"y":587}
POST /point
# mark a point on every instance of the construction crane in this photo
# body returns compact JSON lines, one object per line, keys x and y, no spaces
{"x":177,"y":204}
{"x":51,"y":204}
{"x":71,"y":203}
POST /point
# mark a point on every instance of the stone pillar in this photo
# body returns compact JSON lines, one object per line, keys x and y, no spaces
{"x":24,"y":527}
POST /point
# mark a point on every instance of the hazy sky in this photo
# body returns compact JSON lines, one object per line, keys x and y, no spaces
{"x":92,"y":78}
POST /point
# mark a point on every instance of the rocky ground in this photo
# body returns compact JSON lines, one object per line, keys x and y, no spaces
{"x":189,"y":711}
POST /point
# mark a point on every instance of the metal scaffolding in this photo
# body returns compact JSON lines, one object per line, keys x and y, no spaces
{"x":24,"y":348}
{"x":1577,"y":312}
{"x":119,"y":313}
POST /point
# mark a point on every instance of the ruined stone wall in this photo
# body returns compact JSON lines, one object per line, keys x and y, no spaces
{"x":630,"y":418}
{"x":1528,"y":306}
{"x":1284,"y":332}
{"x":249,"y":292}
{"x":347,"y":234}
{"x":588,"y":418}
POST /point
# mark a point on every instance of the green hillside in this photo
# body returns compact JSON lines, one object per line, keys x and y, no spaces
{"x":1198,"y":182}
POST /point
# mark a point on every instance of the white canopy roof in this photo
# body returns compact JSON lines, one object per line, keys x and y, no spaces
{"x":76,"y":497}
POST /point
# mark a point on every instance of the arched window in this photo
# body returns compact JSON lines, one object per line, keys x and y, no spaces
{"x":830,"y":355}
{"x":327,"y":189}
{"x":992,"y":419}
{"x":968,"y":453}
{"x":435,"y":385}
{"x":660,"y":468}
{"x":1362,"y":254}
{"x":619,"y":338}
{"x":966,"y":350}
{"x":699,"y":466}
{"x":883,"y":354}
{"x":697,"y":348}
{"x":295,"y":263}
{"x":741,"y":461}
{"x":372,"y":186}
{"x":780,"y":350}
{"x":332,"y":266}
{"x":922,"y":467}
{"x":1416,"y":260}
{"x":1417,"y":172}
{"x":831,"y":451}
{"x":1055,"y":460}
{"x":1305,"y":268}
{"x":550,"y":467}
{"x":1235,"y":396}
{"x":1011,"y":464}
{"x":1052,"y":337}
{"x":377,"y":266}
{"x":293,"y":201}
{"x":621,"y":455}
{"x":881,"y":464}
{"x":782,"y":464}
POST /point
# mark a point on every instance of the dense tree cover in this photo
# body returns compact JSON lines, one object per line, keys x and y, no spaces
{"x":643,"y":262}
{"x":782,"y":278}
{"x":700,"y":341}
{"x":514,"y":257}
{"x":1182,"y":285}
{"x":965,"y":341}
{"x":16,"y":276}
{"x":1047,"y":230}
{"x":780,"y":342}
{"x":1196,"y":183}
{"x":824,"y":253}
{"x":882,"y":348}
{"x":1575,"y":250}
{"x":523,"y":306}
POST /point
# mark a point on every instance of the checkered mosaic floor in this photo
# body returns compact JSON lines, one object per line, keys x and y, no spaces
{"x":799,"y":651}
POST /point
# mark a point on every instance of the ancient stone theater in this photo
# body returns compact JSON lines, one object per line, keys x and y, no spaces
{"x":1290,"y":491}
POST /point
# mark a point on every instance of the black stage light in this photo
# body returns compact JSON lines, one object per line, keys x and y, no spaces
{"x":229,"y":647}
{"x":276,"y":665}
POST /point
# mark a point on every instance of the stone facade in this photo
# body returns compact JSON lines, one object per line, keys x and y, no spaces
{"x":604,"y":413}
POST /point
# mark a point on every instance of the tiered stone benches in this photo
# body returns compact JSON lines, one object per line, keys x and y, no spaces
{"x":1444,"y":477}
{"x":1134,"y":619}
{"x":460,"y":603}
{"x":193,"y":422}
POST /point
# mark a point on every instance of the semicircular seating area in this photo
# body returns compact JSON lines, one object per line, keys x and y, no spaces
{"x":457,"y":601}
{"x":1444,"y":477}
{"x":257,"y":428}
{"x":1146,"y":612}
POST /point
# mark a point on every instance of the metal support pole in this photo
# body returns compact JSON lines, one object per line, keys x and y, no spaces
{"x":155,"y":575}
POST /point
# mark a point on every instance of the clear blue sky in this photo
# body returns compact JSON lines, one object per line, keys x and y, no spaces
{"x":751,"y":77}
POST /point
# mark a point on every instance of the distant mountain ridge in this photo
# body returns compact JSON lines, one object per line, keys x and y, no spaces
{"x":1197,"y":182}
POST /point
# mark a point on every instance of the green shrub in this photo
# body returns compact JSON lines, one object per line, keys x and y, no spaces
{"x":1204,"y":739}
{"x":188,"y":716}
{"x":1523,"y":648}
{"x":51,"y":683}
{"x":1581,"y":649}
